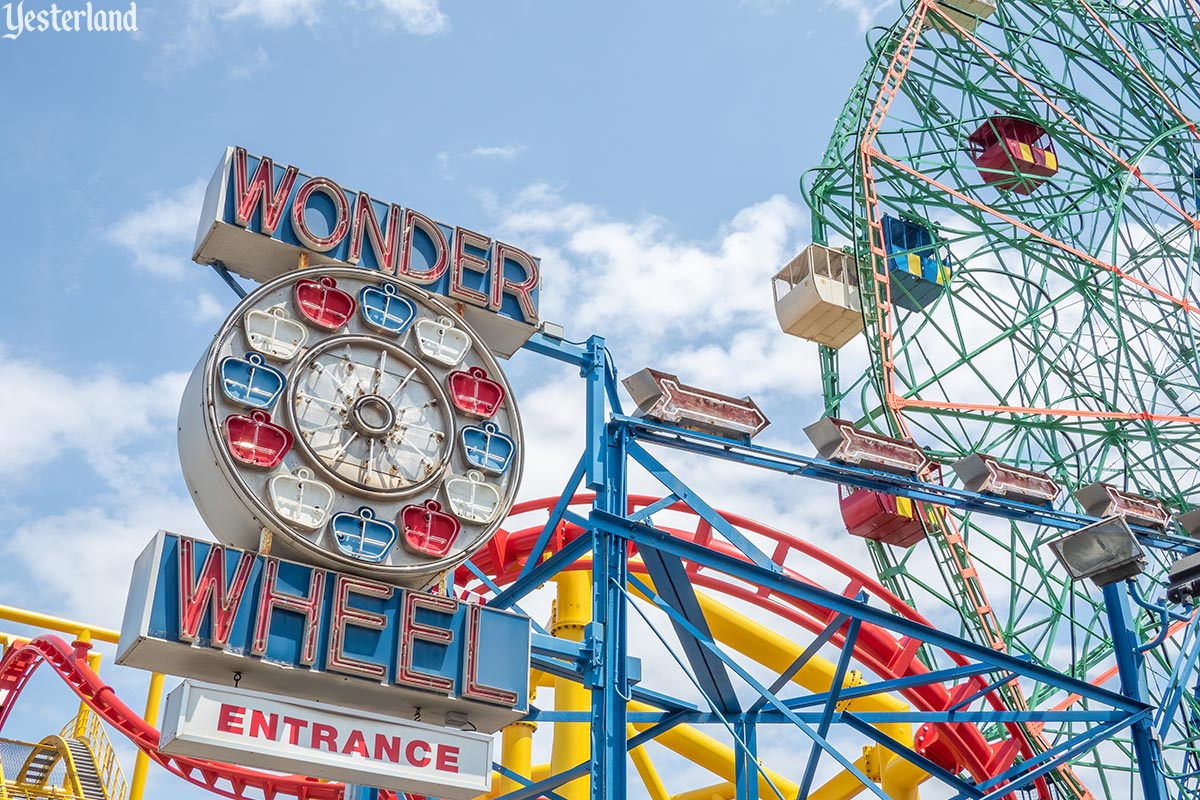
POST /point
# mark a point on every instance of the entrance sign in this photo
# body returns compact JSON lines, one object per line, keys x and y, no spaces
{"x":206,"y":611}
{"x":259,"y":216}
{"x":356,"y":419}
{"x":266,"y":731}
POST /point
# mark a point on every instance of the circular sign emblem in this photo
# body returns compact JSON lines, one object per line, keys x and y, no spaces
{"x":360,"y":422}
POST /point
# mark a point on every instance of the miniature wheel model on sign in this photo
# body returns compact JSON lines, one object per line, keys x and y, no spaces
{"x":359,"y":421}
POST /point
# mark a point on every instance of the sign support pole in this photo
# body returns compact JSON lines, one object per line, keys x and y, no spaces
{"x":1133,"y":684}
{"x":606,"y":461}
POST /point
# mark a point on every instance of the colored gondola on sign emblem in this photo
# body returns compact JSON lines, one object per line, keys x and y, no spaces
{"x":471,"y":499}
{"x":486,"y":448}
{"x":323,"y":304}
{"x":300,"y":499}
{"x":273,"y":333}
{"x":250,"y":382}
{"x":427,"y":529}
{"x":441,"y":341}
{"x":255,"y":440}
{"x":474,"y":393}
{"x":385,"y":310}
{"x":360,"y":535}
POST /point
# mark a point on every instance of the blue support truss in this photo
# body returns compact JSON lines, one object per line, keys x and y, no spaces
{"x":600,"y":662}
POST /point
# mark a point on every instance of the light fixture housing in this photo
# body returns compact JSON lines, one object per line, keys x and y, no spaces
{"x":1183,"y":581}
{"x":983,"y":473}
{"x":1104,"y":552}
{"x":1105,"y":500}
{"x":838,"y":440}
{"x":662,"y":397}
{"x":1190,"y":522}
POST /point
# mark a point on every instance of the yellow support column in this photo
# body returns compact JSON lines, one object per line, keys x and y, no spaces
{"x":645,"y":768}
{"x":516,"y":753}
{"x":572,"y":740}
{"x":141,"y":766}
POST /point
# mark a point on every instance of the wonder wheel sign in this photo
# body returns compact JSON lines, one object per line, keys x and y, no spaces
{"x":349,"y":438}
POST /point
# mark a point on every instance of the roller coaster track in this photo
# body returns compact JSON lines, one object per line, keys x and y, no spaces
{"x":956,"y":747}
{"x":69,"y":662}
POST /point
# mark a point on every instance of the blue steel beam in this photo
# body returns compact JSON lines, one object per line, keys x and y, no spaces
{"x":675,"y":588}
{"x":647,"y":537}
{"x":1129,"y":657}
{"x":947,"y":675}
{"x":749,"y":679}
{"x":839,"y":677}
{"x":556,"y":516}
{"x":860,"y":477}
{"x":531,"y":790}
{"x":610,"y":572}
{"x":802,"y":659}
{"x":697,"y":504}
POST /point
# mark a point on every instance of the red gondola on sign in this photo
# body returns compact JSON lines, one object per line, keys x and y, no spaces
{"x":428,"y":530}
{"x":474,"y":393}
{"x":1013,"y":154}
{"x":255,"y":440}
{"x":323,"y":304}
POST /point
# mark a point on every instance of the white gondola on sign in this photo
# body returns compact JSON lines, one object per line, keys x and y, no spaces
{"x":441,"y":341}
{"x":471,"y":499}
{"x":300,"y":499}
{"x":273,"y":333}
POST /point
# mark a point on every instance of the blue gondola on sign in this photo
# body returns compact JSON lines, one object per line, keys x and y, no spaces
{"x":486,"y":448}
{"x":360,"y":535}
{"x":250,"y":381}
{"x":384,"y":309}
{"x":917,"y":266}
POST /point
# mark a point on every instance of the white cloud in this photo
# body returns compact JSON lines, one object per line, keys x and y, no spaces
{"x":422,"y":17}
{"x":606,"y":274}
{"x":207,"y":307}
{"x":160,"y":234}
{"x":506,"y":152}
{"x":103,"y":541}
{"x":123,"y":483}
{"x":271,"y":13}
{"x":865,"y":12}
{"x":443,"y":162}
{"x":257,"y":64}
{"x":196,"y":24}
{"x":50,"y":415}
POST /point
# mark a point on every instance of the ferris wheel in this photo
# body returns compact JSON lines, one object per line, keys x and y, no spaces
{"x":1006,"y":263}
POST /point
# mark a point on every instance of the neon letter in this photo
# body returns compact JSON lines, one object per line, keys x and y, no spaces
{"x":198,"y":595}
{"x":271,"y":599}
{"x":248,"y":197}
{"x":344,"y":615}
{"x":411,"y":631}
{"x":341,"y":207}
{"x":464,"y":260}
{"x":385,"y":242}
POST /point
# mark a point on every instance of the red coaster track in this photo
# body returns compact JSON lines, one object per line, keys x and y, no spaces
{"x":956,"y":746}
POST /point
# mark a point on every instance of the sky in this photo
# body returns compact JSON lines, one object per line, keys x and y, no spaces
{"x":648,"y":153}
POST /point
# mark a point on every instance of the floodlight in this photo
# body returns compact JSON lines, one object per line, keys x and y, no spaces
{"x":983,"y":473}
{"x":1105,"y":551}
{"x":1183,"y":581}
{"x":838,"y":440}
